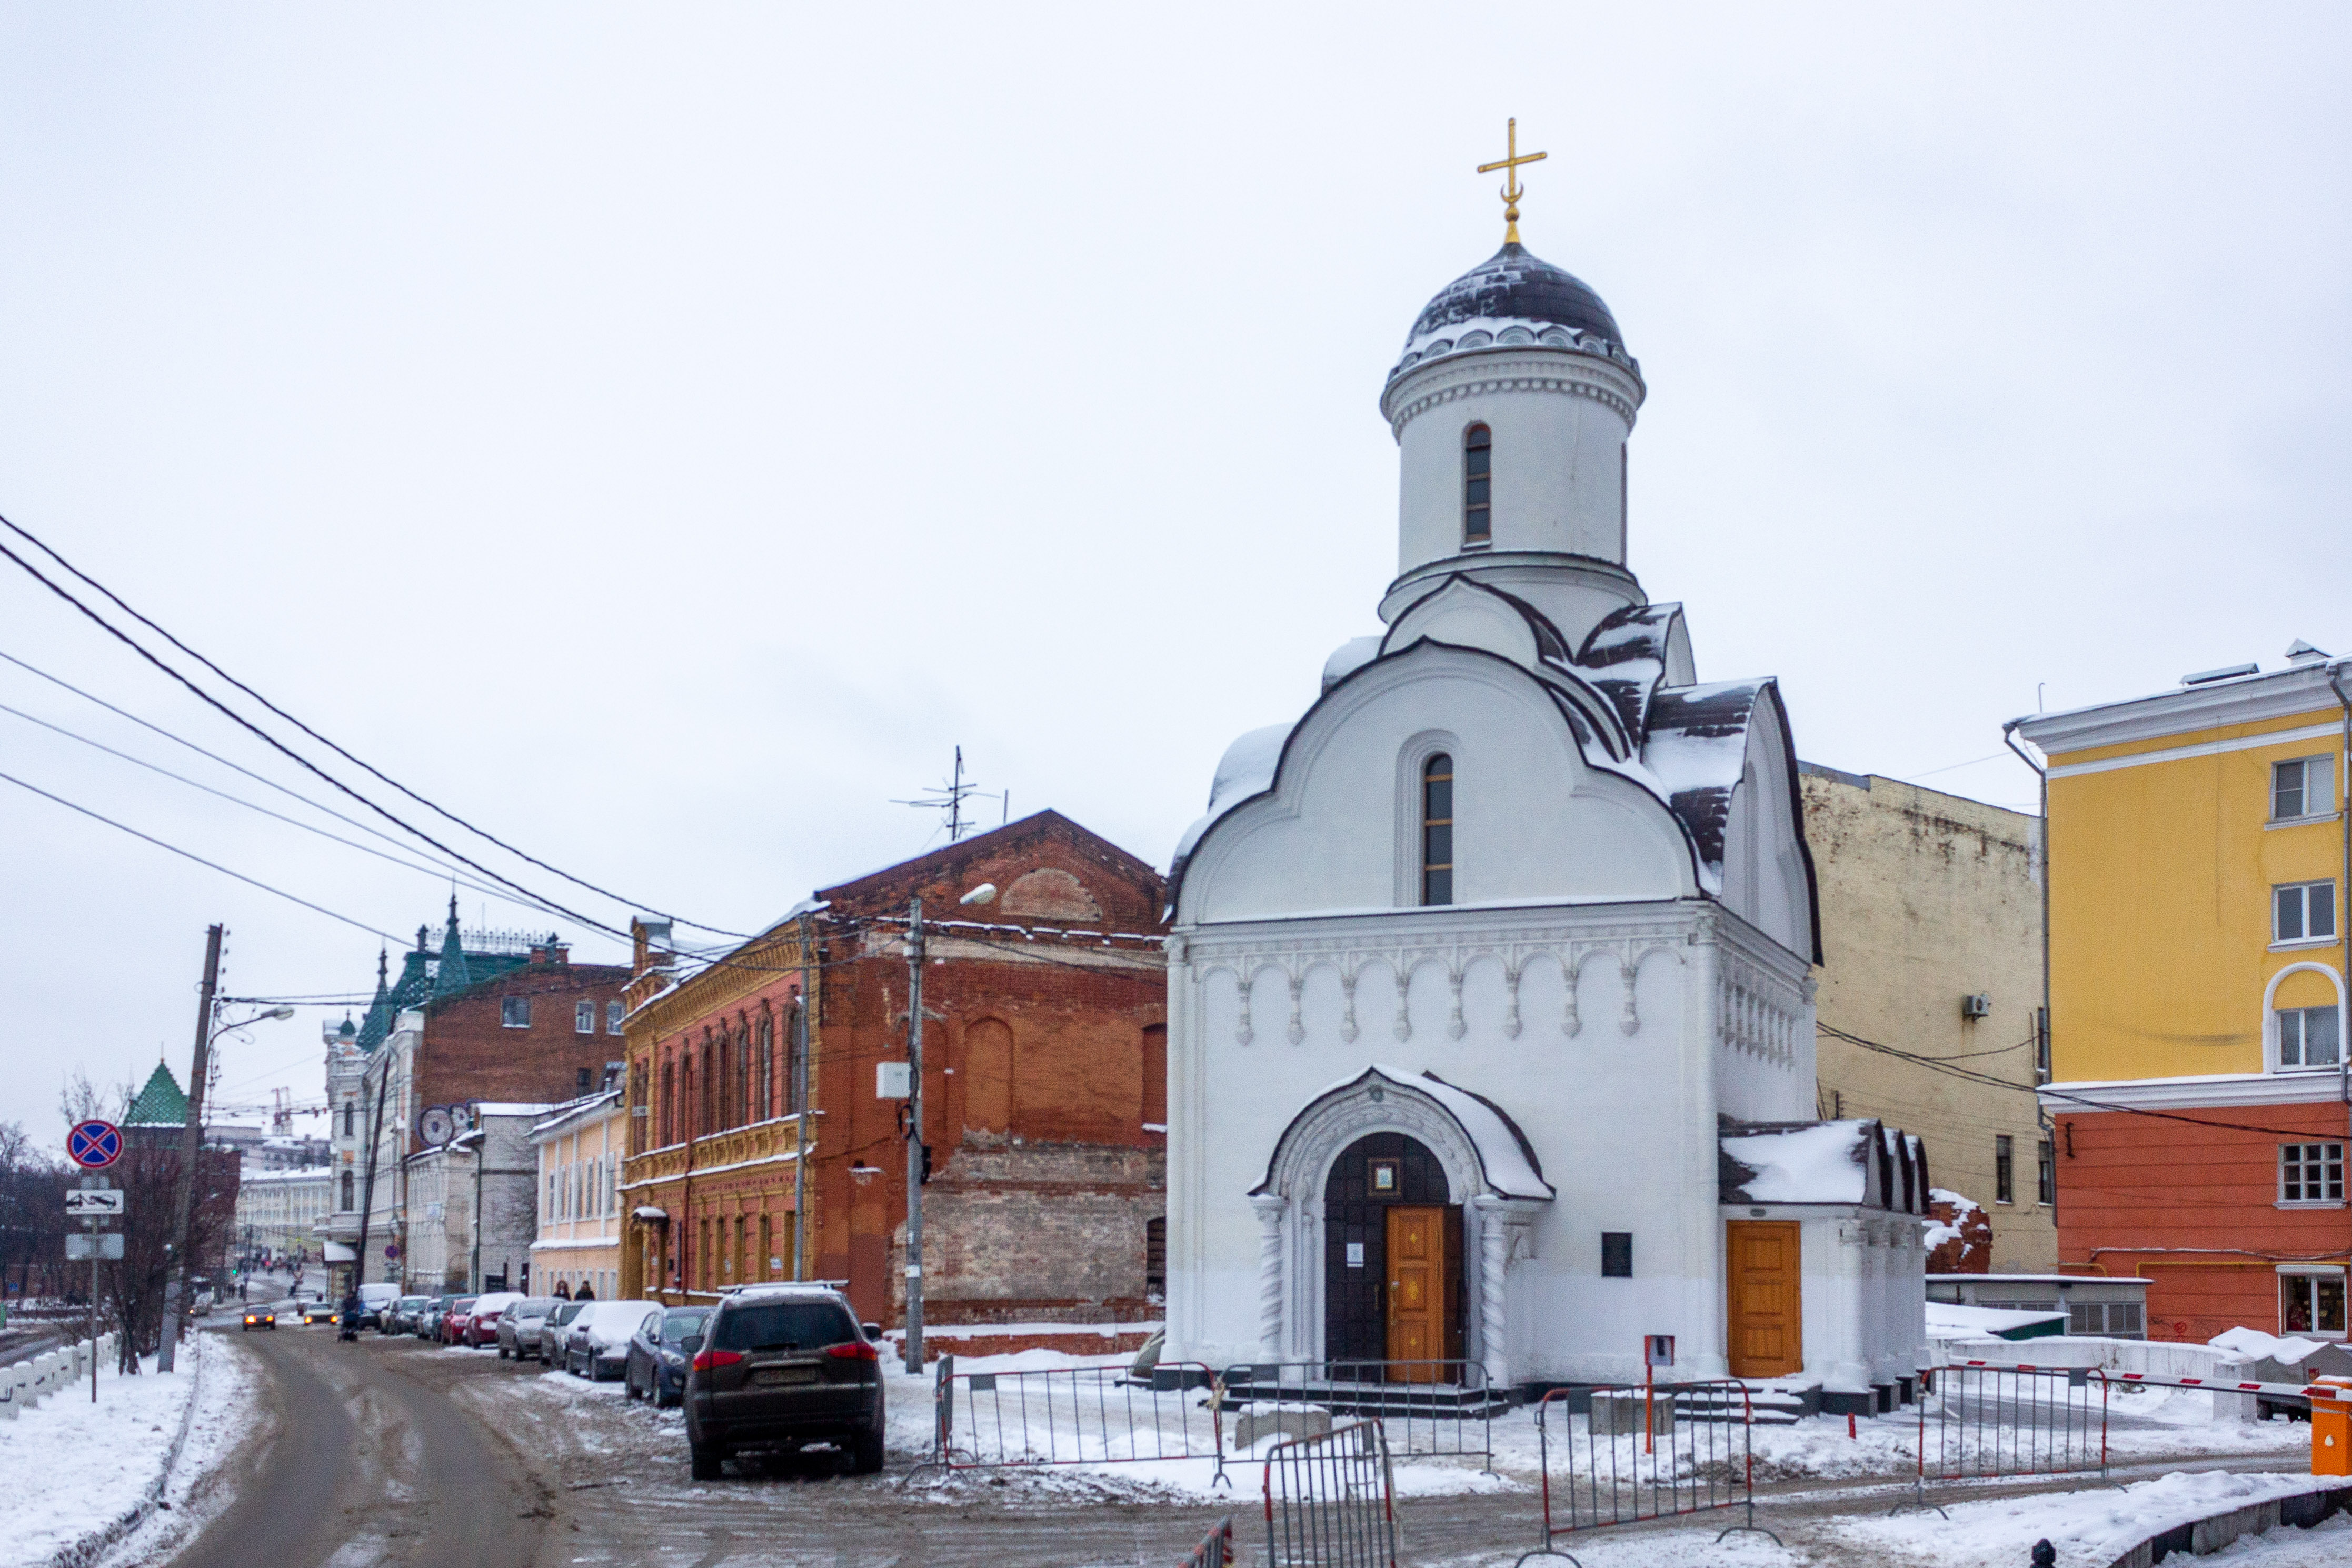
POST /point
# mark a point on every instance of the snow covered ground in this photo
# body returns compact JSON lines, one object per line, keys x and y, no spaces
{"x":73,"y":1468}
{"x":2090,"y":1527}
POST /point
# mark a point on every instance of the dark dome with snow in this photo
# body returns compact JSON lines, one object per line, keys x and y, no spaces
{"x":1514,"y":296}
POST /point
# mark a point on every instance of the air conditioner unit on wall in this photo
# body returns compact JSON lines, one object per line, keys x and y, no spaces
{"x":1976,"y":1006}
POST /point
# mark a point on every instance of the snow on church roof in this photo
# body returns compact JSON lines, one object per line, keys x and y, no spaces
{"x":1505,"y":1159}
{"x":1687,"y":746}
{"x":1861,"y":1163}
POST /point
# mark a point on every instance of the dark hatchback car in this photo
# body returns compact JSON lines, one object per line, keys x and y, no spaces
{"x":781,"y":1367}
{"x":429,"y":1316}
{"x":661,"y":1352}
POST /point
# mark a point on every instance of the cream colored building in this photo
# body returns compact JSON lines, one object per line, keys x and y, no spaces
{"x":1931,"y":939}
{"x":283,"y":1211}
{"x":581,"y":1145}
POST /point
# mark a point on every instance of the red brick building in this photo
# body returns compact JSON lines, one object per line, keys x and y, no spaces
{"x":1044,"y":1068}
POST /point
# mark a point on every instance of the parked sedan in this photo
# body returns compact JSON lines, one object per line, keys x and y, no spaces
{"x":596,"y":1342}
{"x":660,"y":1353}
{"x":453,"y":1320}
{"x":518,"y":1326}
{"x":549,"y":1346}
{"x":259,"y":1318}
{"x":402,"y":1315}
{"x":782,"y":1365}
{"x":429,"y":1316}
{"x":482,"y":1321}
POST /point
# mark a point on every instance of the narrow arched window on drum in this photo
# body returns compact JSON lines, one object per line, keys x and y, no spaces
{"x":1477,"y":478}
{"x":1437,"y":830}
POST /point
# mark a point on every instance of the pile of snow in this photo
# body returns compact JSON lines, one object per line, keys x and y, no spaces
{"x":74,"y":1468}
{"x":1962,"y":1207}
{"x":2256,"y":1346}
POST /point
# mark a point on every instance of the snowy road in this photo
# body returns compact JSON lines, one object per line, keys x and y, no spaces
{"x":395,"y":1452}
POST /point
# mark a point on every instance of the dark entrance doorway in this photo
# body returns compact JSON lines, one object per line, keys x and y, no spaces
{"x":1383,"y":1186}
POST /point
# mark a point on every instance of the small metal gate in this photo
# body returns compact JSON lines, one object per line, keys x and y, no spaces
{"x":1640,"y":1452}
{"x":1075,"y":1416}
{"x":1329,"y":1500}
{"x":1986,"y":1422}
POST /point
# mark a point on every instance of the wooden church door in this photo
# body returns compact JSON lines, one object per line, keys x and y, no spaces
{"x":1419,"y":1266}
{"x":1766,"y":1323}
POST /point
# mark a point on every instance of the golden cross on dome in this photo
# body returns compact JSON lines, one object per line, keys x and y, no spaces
{"x":1512,"y":190}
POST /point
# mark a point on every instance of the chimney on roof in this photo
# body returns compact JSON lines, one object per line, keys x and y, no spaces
{"x":554,"y":951}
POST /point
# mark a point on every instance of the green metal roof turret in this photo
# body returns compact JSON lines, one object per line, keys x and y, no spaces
{"x":160,"y":1103}
{"x":452,"y":975}
{"x":379,"y":1013}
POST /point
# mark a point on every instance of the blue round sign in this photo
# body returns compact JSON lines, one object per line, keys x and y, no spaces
{"x":94,"y":1145}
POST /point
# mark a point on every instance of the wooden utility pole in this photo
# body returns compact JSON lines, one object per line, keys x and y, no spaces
{"x":191,"y":1143}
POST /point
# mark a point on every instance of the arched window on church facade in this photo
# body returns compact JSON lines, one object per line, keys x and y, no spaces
{"x":1477,"y":482}
{"x":1437,"y":830}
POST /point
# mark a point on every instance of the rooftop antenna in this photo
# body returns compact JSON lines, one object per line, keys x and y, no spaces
{"x":949,"y":797}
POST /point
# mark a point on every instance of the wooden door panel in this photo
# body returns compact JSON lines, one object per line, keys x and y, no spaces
{"x":1763,"y":1281}
{"x":1416,"y":1250}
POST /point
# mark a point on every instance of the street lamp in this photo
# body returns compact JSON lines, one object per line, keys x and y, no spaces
{"x":191,"y":1150}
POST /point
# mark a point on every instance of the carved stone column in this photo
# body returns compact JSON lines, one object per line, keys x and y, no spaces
{"x":1505,"y":1234}
{"x":1270,"y":1207}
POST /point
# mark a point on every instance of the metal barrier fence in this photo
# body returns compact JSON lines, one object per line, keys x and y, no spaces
{"x":1075,"y":1416}
{"x":1216,"y":1548}
{"x":1425,"y":1407}
{"x":1990,"y":1422}
{"x":1328,"y":1502}
{"x":1641,"y":1453}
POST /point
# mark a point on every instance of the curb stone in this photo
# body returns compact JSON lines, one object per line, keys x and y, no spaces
{"x":2214,"y":1531}
{"x":91,"y":1547}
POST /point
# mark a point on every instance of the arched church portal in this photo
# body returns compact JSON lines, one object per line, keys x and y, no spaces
{"x":1392,"y":1273}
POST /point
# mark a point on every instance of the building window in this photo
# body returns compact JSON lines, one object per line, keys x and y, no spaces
{"x":612,"y":1018}
{"x":2041,"y":1045}
{"x":2307,"y":1037}
{"x":2303,"y":912}
{"x":2300,"y":789}
{"x":584,"y":1018}
{"x":1477,"y":482}
{"x":1155,"y":1258}
{"x":1437,"y":830}
{"x":2311,"y":1173}
{"x":2311,"y":1304}
{"x":348,"y":1204}
{"x":2004,"y":1170}
{"x":1616,"y":1254}
{"x":767,"y":1088}
{"x":2045,"y":1174}
{"x":514,"y":1012}
{"x":351,"y":1114}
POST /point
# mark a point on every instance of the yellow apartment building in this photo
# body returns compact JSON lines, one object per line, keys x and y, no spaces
{"x":580,"y":1146}
{"x":2197,"y":848}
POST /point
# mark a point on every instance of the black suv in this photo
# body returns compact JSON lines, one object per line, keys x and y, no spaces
{"x":782,"y":1365}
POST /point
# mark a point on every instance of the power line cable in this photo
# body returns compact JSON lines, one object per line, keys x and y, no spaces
{"x":480,"y":832}
{"x":185,"y":854}
{"x":436,"y":872}
{"x":272,"y":741}
{"x":2082,"y":1100}
{"x":261,"y":778}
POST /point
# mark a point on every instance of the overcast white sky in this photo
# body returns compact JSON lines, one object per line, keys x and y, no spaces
{"x":663,"y":434}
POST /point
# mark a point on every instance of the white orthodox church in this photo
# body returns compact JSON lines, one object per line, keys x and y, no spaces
{"x":1490,"y":1028}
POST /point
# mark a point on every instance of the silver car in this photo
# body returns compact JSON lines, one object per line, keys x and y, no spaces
{"x":518,"y":1325}
{"x":548,"y":1347}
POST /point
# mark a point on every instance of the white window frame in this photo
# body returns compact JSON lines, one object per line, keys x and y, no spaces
{"x":2302,"y":1031}
{"x":2312,"y":1275}
{"x":2302,"y":896}
{"x":2316,"y":792}
{"x":612,"y":1015}
{"x":508,"y":1007}
{"x":584,"y":1018}
{"x":2329,"y":1163}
